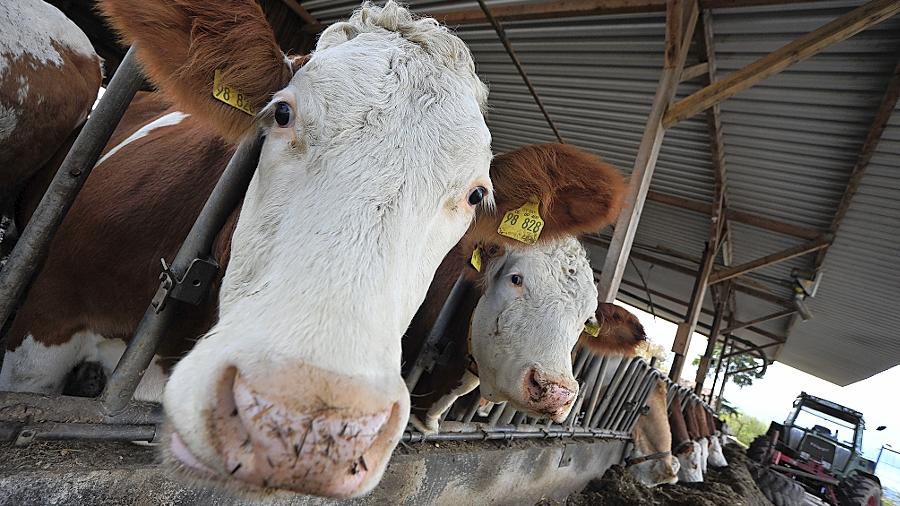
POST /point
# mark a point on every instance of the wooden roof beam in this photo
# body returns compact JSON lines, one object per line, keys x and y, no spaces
{"x":736,"y":216}
{"x":573,"y":8}
{"x":774,"y":258}
{"x":806,"y":46}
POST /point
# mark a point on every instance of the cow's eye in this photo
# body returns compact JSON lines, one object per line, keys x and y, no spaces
{"x":283,"y":114}
{"x":477,"y":195}
{"x":516,"y":279}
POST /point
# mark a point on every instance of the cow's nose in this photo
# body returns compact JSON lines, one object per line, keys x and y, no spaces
{"x":548,"y":394}
{"x":311,"y":438}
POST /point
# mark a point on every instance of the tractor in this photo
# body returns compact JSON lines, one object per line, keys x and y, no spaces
{"x":818,"y":449}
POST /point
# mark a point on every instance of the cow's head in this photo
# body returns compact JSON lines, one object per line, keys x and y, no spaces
{"x":651,"y":460}
{"x":618,"y":332}
{"x":375,"y":160}
{"x":537,"y":297}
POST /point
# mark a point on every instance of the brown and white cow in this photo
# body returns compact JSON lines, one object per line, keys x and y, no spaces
{"x":685,"y":449}
{"x":651,"y":460}
{"x":375,"y":160}
{"x":523,"y":311}
{"x":49,"y":77}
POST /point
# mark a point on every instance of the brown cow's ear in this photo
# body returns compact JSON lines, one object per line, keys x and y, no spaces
{"x":183,"y":43}
{"x":576,"y":192}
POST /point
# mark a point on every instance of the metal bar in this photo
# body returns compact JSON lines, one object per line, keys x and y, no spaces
{"x":429,"y":352}
{"x":580,"y":359}
{"x":67,"y":431}
{"x":712,"y":388}
{"x":591,"y":384}
{"x":597,"y":391}
{"x":617,"y":394}
{"x":762,"y":319}
{"x":751,"y":219}
{"x":508,"y":413}
{"x":34,"y":408}
{"x":750,"y":350}
{"x":797,"y":472}
{"x":766,"y":261}
{"x":495,"y":434}
{"x":604,"y":391}
{"x":495,"y":413}
{"x":655,"y":377}
{"x":629,"y":399}
{"x":773,"y":63}
{"x":472,"y":409}
{"x":584,"y":385}
{"x":225,"y":197}
{"x":501,"y":34}
{"x":648,"y":152}
{"x":519,"y":418}
{"x":34,"y":243}
{"x":634,"y":385}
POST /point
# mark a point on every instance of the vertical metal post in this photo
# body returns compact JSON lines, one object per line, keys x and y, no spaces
{"x":226,"y":195}
{"x":712,"y":388}
{"x":34,"y":243}
{"x":428,"y":354}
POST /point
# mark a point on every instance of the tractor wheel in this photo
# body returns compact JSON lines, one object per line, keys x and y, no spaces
{"x":778,"y":488}
{"x":760,"y":450}
{"x":859,"y":490}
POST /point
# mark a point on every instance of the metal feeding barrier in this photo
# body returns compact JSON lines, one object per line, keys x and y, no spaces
{"x":611,"y":398}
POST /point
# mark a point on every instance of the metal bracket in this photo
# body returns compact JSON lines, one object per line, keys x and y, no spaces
{"x":191,"y":288}
{"x":566,"y":458}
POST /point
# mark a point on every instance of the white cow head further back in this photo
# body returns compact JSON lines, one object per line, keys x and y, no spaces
{"x":534,"y":306}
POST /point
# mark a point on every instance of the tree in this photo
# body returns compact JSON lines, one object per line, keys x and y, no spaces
{"x":743,"y":426}
{"x":735,"y":363}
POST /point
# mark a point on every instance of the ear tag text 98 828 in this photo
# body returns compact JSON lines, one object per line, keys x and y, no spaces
{"x":234,"y":98}
{"x":523,"y":224}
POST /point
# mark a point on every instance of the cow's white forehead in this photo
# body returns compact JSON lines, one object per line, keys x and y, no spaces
{"x":560,"y":266}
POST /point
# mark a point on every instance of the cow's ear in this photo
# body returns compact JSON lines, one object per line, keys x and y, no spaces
{"x":574,"y":191}
{"x":184,"y":44}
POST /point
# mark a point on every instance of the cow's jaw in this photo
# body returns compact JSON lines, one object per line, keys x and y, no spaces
{"x":350,"y":212}
{"x":522,"y":337}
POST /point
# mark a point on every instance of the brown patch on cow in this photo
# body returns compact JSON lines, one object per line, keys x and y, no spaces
{"x":183,"y":43}
{"x":579,"y":193}
{"x":678,"y":425}
{"x":87,"y":285}
{"x":58,"y":100}
{"x":621,"y":333}
{"x":690,"y":419}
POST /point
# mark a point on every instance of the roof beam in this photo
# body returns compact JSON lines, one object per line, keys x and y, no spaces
{"x":570,"y":8}
{"x":873,"y":137}
{"x":501,"y":34}
{"x":736,"y":216}
{"x":755,"y":348}
{"x":312,"y":23}
{"x":810,"y":44}
{"x":694,"y":71}
{"x":762,"y":319}
{"x":774,"y":258}
{"x":681,"y":19}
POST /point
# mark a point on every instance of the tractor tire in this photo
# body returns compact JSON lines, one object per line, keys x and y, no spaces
{"x":760,"y":450}
{"x":778,"y":488}
{"x":859,"y":490}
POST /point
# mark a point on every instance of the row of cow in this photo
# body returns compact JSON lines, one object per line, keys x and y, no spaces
{"x":375,"y":188}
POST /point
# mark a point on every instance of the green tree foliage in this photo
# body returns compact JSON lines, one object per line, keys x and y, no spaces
{"x":743,"y":426}
{"x":735,"y":363}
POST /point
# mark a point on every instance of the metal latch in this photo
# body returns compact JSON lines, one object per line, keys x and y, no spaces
{"x":191,"y":288}
{"x":566,"y":458}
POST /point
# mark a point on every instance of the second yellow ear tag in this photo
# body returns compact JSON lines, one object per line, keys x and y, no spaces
{"x":592,"y":328}
{"x":229,"y":95}
{"x":476,"y":259}
{"x":523,"y":224}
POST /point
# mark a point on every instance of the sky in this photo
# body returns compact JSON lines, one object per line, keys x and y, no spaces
{"x":771,"y":397}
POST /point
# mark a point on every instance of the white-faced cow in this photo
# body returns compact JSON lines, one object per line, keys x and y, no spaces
{"x":49,"y":77}
{"x":526,"y":304}
{"x":375,"y":160}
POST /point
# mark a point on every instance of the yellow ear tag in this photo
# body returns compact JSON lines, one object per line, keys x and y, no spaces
{"x":476,"y":259}
{"x":592,"y":328}
{"x":523,"y":224}
{"x":229,"y":95}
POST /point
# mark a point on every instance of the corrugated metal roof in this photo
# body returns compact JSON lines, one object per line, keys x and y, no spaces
{"x":790,"y":143}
